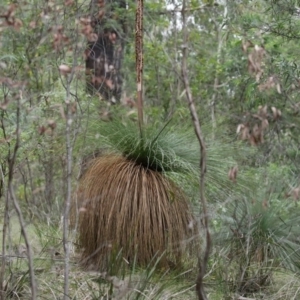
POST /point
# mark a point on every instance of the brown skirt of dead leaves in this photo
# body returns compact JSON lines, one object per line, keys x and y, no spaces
{"x":125,"y":208}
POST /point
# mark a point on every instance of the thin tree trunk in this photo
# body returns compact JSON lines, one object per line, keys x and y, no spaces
{"x":4,"y":234}
{"x":49,"y":176}
{"x":3,"y":192}
{"x":66,"y":242}
{"x":70,"y":139}
{"x":11,"y":168}
{"x":139,"y":60}
{"x":216,"y":80}
{"x":198,"y":131}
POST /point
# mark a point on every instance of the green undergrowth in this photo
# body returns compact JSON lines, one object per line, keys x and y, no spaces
{"x":128,"y":282}
{"x":132,"y":282}
{"x":254,"y":222}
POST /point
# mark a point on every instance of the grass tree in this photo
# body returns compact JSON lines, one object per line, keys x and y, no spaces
{"x":257,"y":236}
{"x":128,"y":201}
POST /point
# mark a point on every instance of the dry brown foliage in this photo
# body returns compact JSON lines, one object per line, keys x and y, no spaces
{"x":125,"y":207}
{"x":256,"y":55}
{"x":256,"y":125}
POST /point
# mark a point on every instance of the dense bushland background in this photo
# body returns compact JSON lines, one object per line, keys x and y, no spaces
{"x":244,"y":75}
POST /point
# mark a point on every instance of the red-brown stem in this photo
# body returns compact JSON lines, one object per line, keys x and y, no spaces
{"x":198,"y":131}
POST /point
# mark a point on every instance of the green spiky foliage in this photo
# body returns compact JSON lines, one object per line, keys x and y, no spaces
{"x":173,"y":149}
{"x":259,"y":235}
{"x":128,"y":204}
{"x":163,"y":148}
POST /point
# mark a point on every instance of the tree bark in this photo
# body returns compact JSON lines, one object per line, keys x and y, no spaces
{"x":104,"y":55}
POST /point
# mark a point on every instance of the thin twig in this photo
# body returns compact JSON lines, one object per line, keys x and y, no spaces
{"x":4,"y":232}
{"x":12,"y":162}
{"x":69,"y":153}
{"x":220,"y":40}
{"x":197,"y":127}
{"x":6,"y":218}
{"x":69,"y":149}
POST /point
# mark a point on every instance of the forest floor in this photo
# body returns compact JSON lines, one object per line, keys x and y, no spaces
{"x":46,"y":243}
